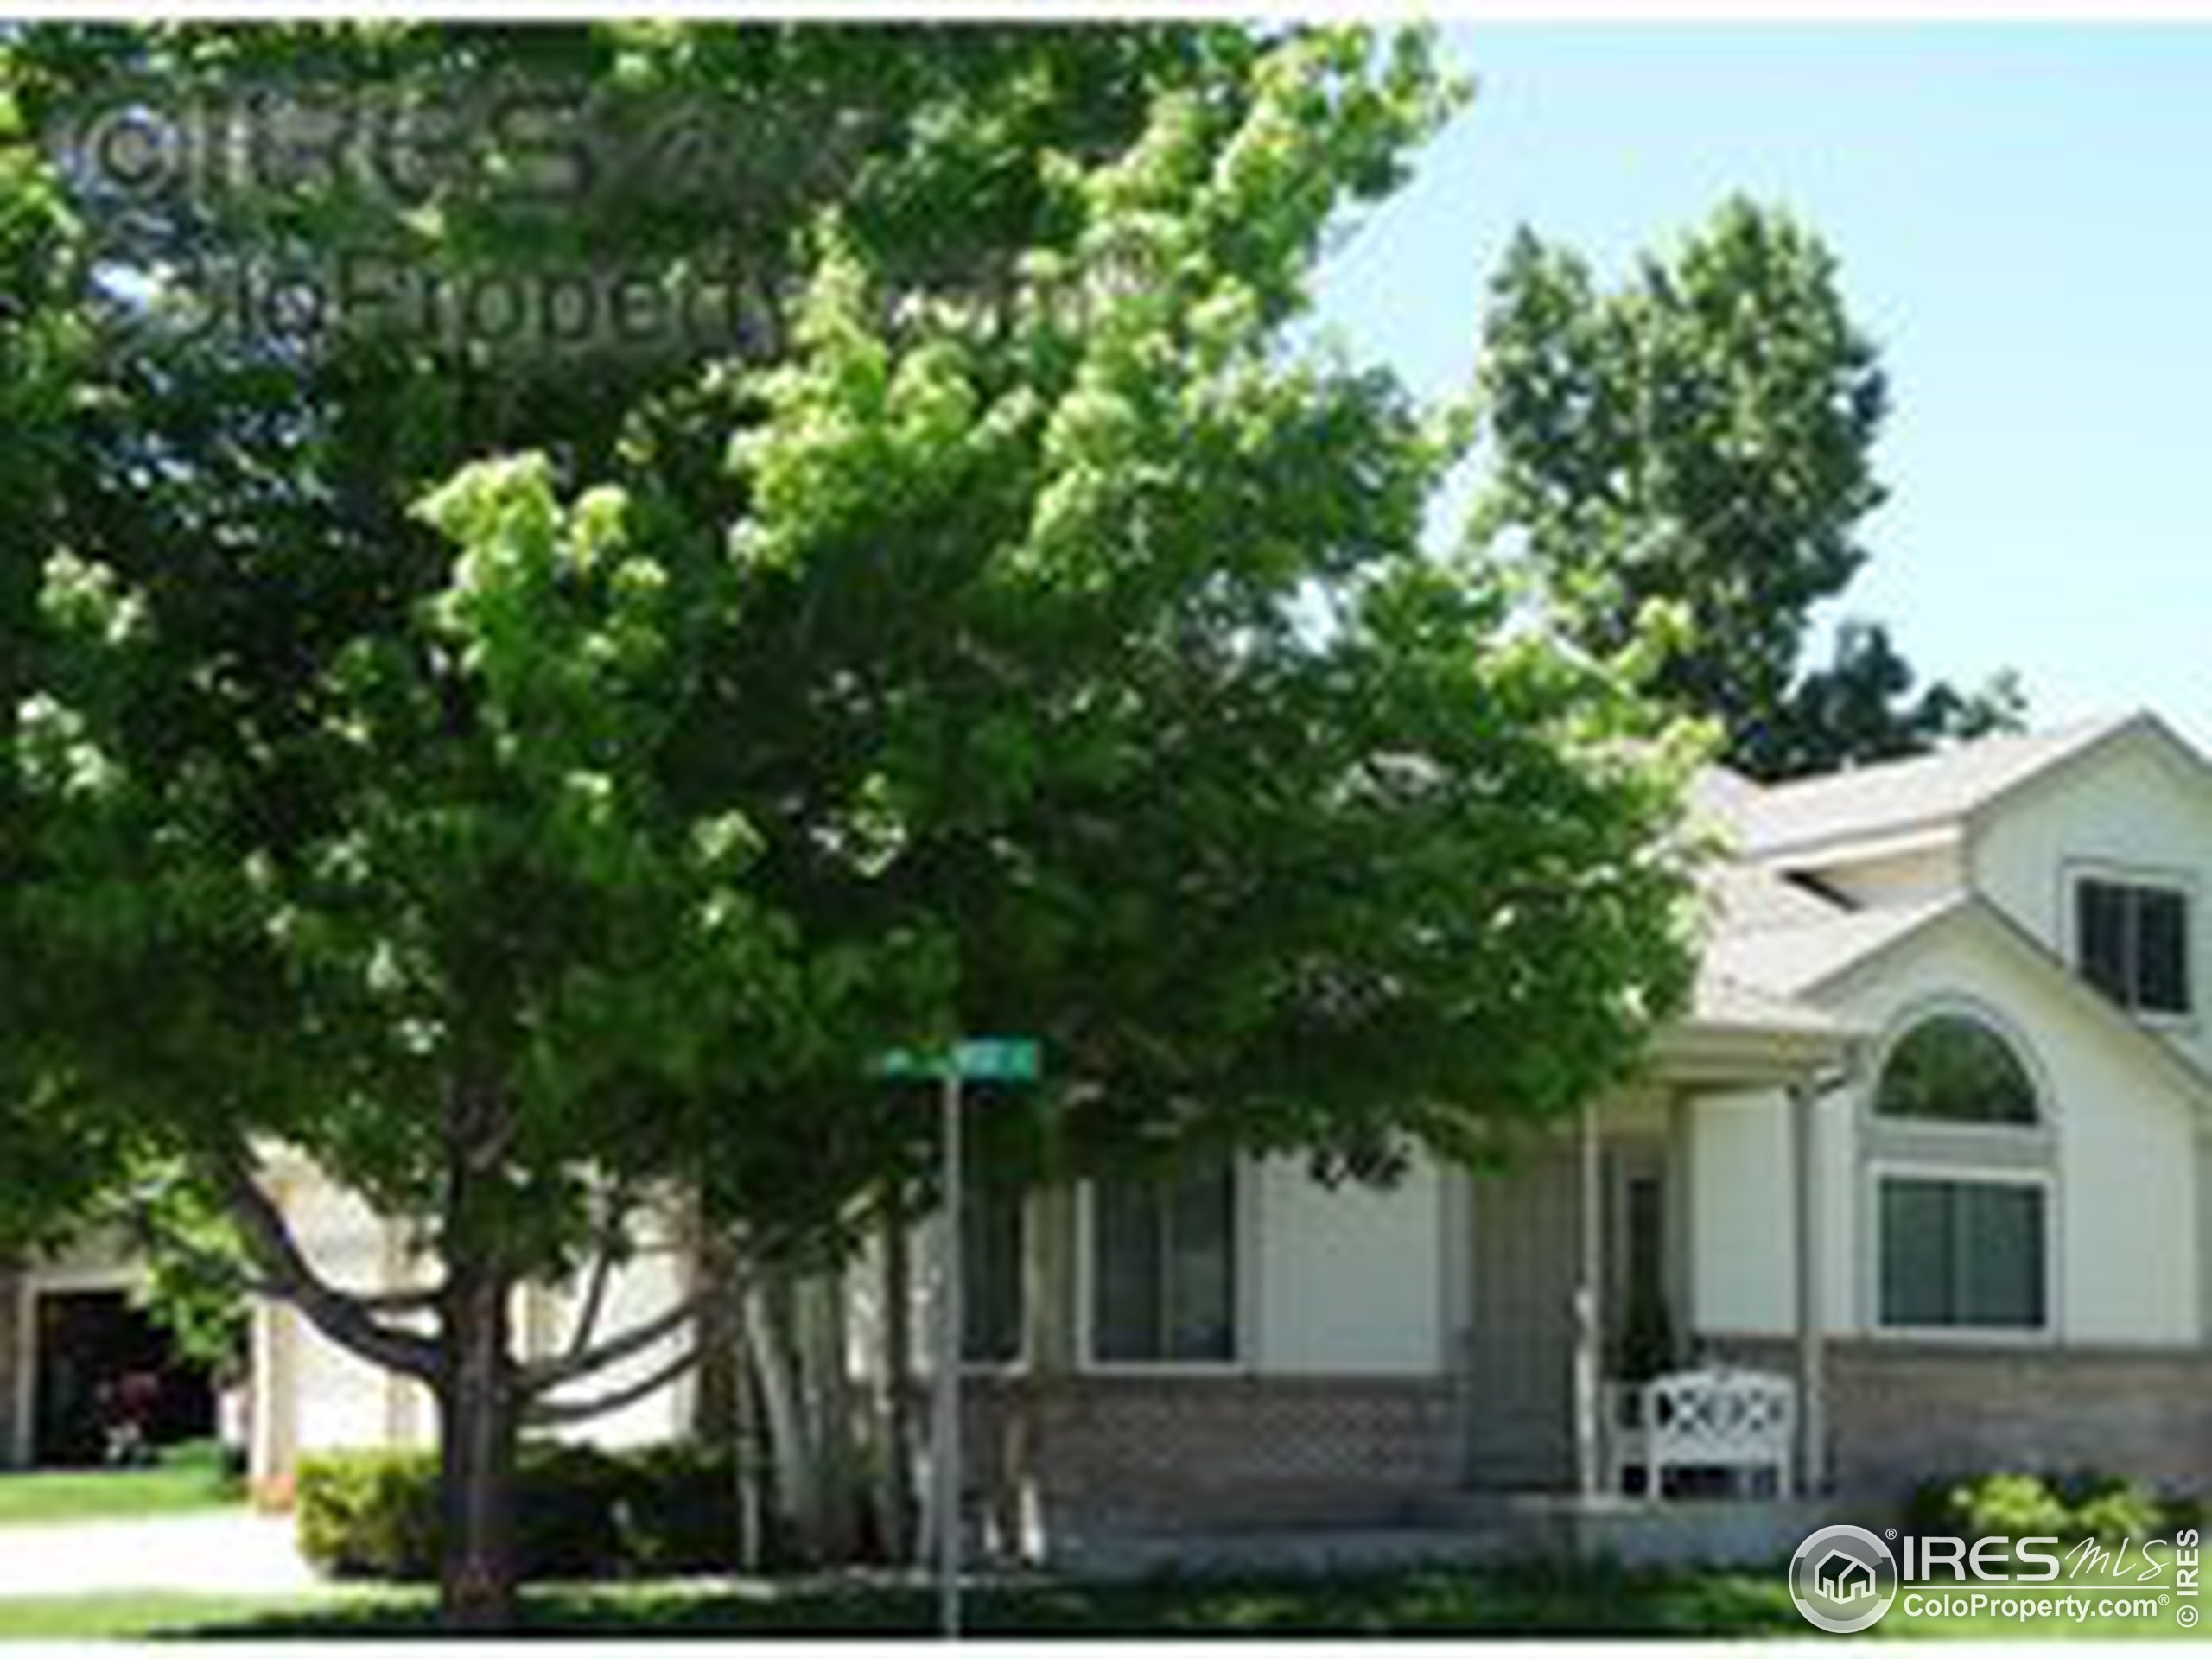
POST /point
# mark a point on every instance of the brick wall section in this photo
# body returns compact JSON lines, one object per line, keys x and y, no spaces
{"x":1166,"y":1453}
{"x":1901,"y":1413}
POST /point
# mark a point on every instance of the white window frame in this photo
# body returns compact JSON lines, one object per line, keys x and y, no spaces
{"x":1243,"y":1197}
{"x":1878,"y":1125}
{"x":1963,"y":1174}
{"x":2161,"y":878}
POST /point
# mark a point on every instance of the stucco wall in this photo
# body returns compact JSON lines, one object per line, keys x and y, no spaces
{"x":2135,"y":808}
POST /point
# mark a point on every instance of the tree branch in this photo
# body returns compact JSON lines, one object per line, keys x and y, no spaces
{"x":549,"y":1374}
{"x":348,"y":1320}
{"x":602,"y":1270}
{"x":555,"y":1414}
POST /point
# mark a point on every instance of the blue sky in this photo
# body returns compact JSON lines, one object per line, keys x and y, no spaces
{"x":2024,"y":216}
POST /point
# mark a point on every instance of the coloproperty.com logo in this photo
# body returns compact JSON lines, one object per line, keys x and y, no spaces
{"x":1844,"y":1579}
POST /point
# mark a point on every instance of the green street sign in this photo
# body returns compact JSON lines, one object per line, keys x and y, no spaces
{"x":978,"y":1059}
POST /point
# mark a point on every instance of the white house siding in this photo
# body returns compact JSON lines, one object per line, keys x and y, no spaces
{"x":335,"y":1399}
{"x":2125,"y":1158}
{"x":2125,"y":1155}
{"x":1349,"y":1278}
{"x":1743,"y":1220}
{"x":2204,"y":1234}
{"x":2134,"y":808}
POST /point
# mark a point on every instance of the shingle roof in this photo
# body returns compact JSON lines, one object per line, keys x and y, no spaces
{"x":1900,"y":795}
{"x":1721,"y":1003}
{"x":1785,"y":961}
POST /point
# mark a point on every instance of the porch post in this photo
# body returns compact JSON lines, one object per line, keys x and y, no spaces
{"x":1588,"y":1320}
{"x":1812,"y":1332}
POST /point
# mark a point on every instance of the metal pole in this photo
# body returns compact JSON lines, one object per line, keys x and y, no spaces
{"x":948,"y":1373}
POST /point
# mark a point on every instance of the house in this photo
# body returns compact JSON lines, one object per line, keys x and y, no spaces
{"x":1843,"y":1578}
{"x":1929,"y":1160}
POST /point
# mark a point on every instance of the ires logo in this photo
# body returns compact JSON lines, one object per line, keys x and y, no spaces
{"x":1932,"y":1559}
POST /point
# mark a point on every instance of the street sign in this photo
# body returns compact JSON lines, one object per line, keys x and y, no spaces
{"x":978,"y":1059}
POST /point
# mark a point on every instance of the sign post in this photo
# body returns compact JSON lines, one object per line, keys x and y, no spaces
{"x":986,"y":1059}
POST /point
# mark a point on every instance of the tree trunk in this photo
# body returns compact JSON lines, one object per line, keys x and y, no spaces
{"x":796,"y":1472}
{"x":825,"y":1388}
{"x":725,"y":1409}
{"x":894,"y":1435}
{"x":478,"y":1436}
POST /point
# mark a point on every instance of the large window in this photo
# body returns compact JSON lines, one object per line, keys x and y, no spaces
{"x":1963,"y":1253}
{"x":2131,"y":941}
{"x":1953,"y":1068}
{"x":1164,"y":1266}
{"x":991,"y":1275}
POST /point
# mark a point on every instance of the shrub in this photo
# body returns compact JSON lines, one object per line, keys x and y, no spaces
{"x":2011,"y":1506}
{"x":679,"y":1511}
{"x":2111,"y":1509}
{"x":369,"y":1515}
{"x":2108,"y":1508}
{"x":581,"y":1512}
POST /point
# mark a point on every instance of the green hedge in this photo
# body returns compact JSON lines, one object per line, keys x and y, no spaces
{"x":2108,"y":1508}
{"x":582,"y":1513}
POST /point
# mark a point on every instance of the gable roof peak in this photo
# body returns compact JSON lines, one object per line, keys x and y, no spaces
{"x":1925,"y":791}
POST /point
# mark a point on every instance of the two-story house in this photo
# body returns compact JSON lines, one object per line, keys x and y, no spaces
{"x":1923,"y":1178}
{"x":1929,"y":1161}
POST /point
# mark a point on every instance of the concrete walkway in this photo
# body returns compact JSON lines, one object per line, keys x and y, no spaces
{"x":224,"y":1553}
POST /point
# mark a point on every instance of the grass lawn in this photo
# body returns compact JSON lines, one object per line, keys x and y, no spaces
{"x":187,"y":1478}
{"x":1436,"y":1601}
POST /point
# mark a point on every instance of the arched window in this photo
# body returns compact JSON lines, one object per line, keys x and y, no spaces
{"x":1953,"y":1068}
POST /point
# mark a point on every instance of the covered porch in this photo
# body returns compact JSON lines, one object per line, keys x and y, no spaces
{"x":1589,"y":1387}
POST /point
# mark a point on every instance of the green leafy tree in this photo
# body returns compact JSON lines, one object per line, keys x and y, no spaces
{"x":533,"y":789}
{"x":1703,"y":436}
{"x":1861,"y":706}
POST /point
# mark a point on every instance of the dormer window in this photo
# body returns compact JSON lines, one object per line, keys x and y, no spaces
{"x":2131,"y":941}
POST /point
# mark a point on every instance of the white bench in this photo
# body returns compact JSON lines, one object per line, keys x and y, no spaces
{"x":1743,"y":1424}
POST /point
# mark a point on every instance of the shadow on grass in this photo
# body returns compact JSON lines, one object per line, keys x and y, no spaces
{"x":1441,"y":1601}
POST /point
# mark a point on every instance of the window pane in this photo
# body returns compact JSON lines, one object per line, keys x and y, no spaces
{"x":1917,"y":1238}
{"x":1955,"y":1069}
{"x":1202,"y":1283}
{"x":2162,"y":948}
{"x":2001,"y":1255}
{"x":2100,"y":928}
{"x":990,"y":1306}
{"x":1125,"y":1313}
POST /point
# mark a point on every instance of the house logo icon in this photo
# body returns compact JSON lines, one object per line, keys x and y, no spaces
{"x":1843,"y":1578}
